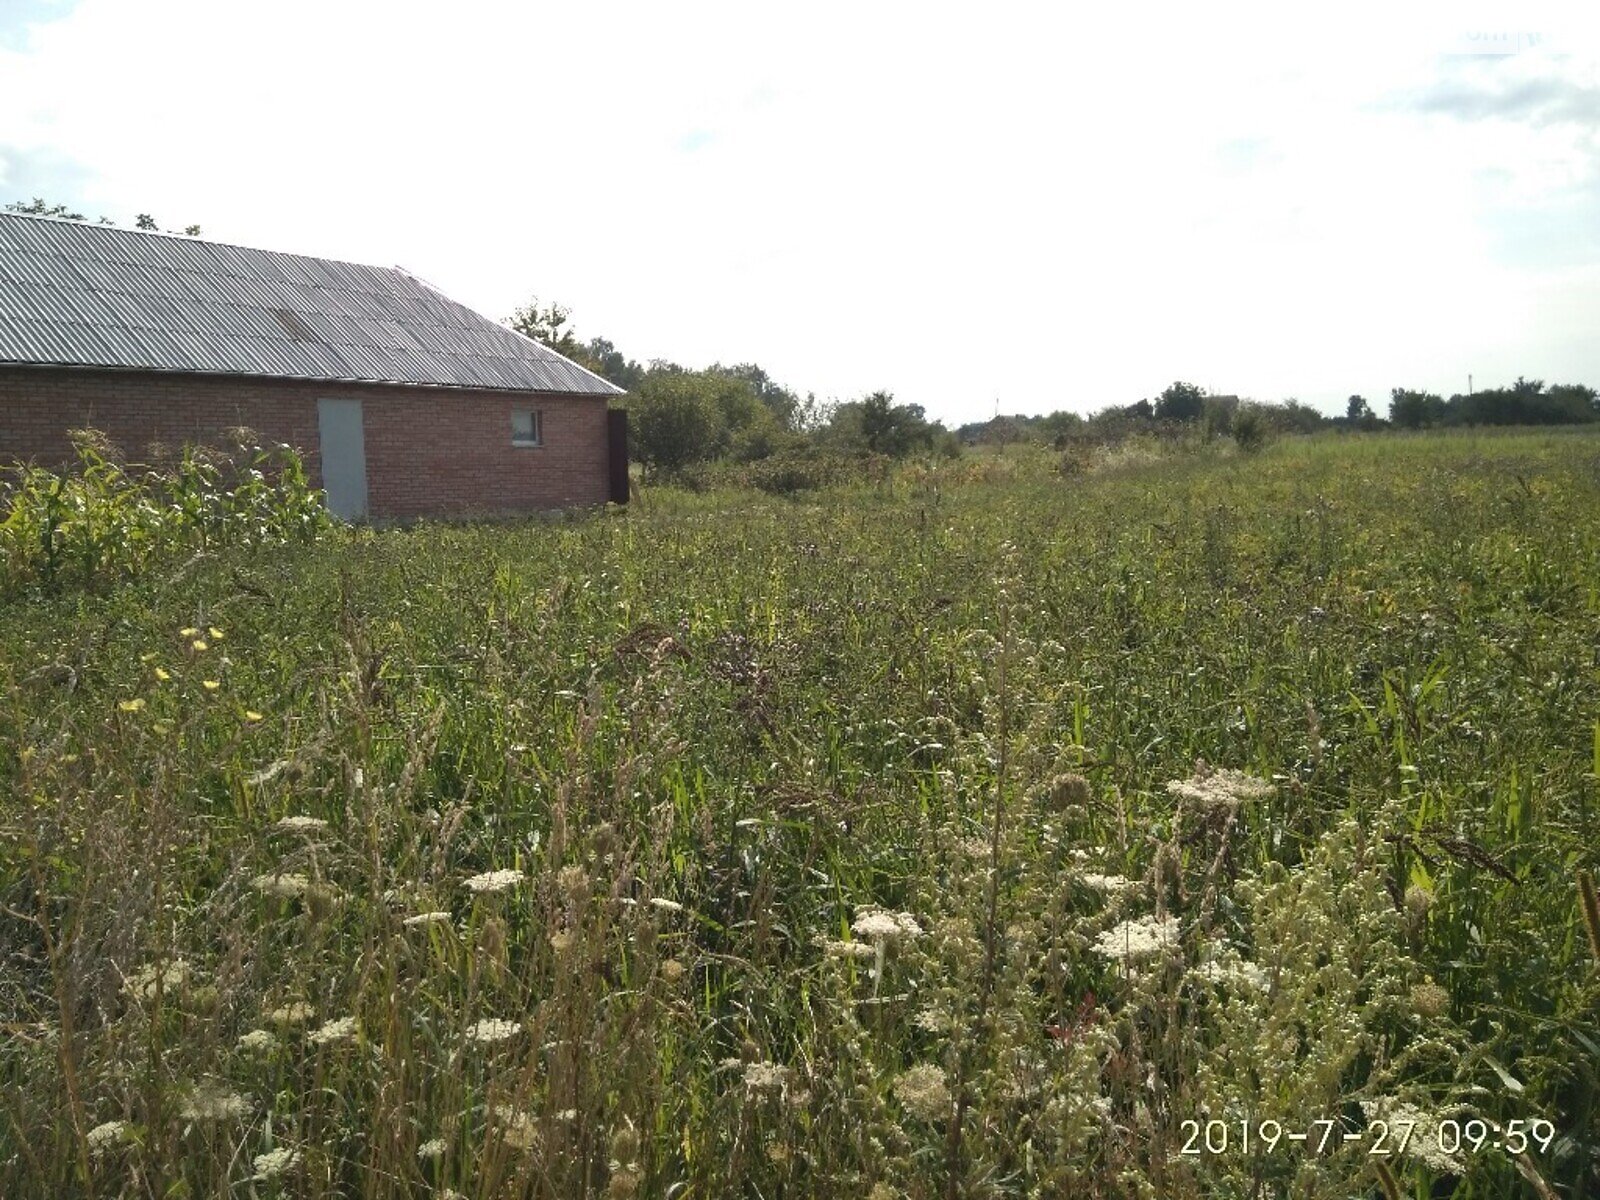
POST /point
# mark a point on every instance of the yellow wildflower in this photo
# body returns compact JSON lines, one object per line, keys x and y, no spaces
{"x":210,"y":685}
{"x":216,"y":634}
{"x":163,"y":674}
{"x":200,"y":644}
{"x":190,"y":632}
{"x":134,"y":705}
{"x":251,"y":715}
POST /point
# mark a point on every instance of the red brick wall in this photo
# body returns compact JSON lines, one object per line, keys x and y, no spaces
{"x":430,"y":451}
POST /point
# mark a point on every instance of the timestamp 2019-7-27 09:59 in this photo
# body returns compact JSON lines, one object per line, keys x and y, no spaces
{"x":1450,"y":1136}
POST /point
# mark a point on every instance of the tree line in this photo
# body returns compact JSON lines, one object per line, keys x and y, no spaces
{"x":1186,"y":407}
{"x":683,"y":419}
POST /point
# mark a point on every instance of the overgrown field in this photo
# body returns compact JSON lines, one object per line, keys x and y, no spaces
{"x":859,"y":846}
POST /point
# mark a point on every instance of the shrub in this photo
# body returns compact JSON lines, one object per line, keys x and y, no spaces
{"x":1250,"y":428}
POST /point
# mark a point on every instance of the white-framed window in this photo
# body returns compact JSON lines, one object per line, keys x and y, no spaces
{"x":527,"y":427}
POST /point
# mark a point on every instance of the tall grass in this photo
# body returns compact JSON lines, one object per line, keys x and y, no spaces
{"x":657,"y":853}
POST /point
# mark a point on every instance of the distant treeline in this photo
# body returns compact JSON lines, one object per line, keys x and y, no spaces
{"x":1183,"y":405}
{"x":683,"y":420}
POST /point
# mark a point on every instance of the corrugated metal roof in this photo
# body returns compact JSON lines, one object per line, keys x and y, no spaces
{"x":73,"y":294}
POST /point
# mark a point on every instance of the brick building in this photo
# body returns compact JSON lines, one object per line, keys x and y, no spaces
{"x":403,"y":402}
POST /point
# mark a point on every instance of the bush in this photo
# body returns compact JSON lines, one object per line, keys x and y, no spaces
{"x":99,"y":524}
{"x":1250,"y":428}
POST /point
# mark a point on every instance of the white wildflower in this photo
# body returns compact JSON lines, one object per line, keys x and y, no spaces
{"x":144,"y":983}
{"x":491,"y":882}
{"x":211,"y":1101}
{"x":258,"y":1041}
{"x":1226,"y":969}
{"x":1219,"y":787}
{"x":433,"y":1148}
{"x":880,"y":925}
{"x":297,"y":1012}
{"x":665,"y":905}
{"x":290,"y":885}
{"x":1111,"y":885}
{"x":340,"y":1030}
{"x":1423,"y":1144}
{"x":304,"y":825}
{"x":427,"y":918}
{"x":1140,"y":938}
{"x":764,"y":1077}
{"x":491,"y":1030}
{"x":519,"y":1129}
{"x":107,"y":1137}
{"x":275,"y":1162}
{"x":924,"y":1093}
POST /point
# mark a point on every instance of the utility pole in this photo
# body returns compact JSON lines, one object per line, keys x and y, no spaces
{"x":1469,"y":383}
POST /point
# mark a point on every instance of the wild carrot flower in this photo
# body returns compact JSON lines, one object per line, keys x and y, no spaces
{"x":764,"y":1077}
{"x":924,"y":1093}
{"x":432,"y":1148}
{"x":288,"y":886}
{"x":340,"y":1030}
{"x":107,"y":1137}
{"x":144,"y":983}
{"x":1068,"y":792}
{"x":491,"y":1030}
{"x":427,"y":918}
{"x":520,"y":1130}
{"x":275,"y":1162}
{"x":1140,"y":938}
{"x":300,"y":824}
{"x":211,"y":1101}
{"x":665,"y":905}
{"x":1424,"y":1141}
{"x":1219,"y":787}
{"x":492,"y":882}
{"x":1111,"y":885}
{"x":1429,"y":999}
{"x":258,"y":1041}
{"x":880,"y":925}
{"x":297,"y":1012}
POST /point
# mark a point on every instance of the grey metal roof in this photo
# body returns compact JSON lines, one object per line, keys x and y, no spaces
{"x":73,"y":294}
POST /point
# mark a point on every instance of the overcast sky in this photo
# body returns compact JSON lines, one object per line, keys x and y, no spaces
{"x":1031,"y":205}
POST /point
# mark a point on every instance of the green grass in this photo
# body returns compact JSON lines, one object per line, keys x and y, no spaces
{"x":777,"y":714}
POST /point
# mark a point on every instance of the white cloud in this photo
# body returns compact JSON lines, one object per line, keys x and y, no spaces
{"x":1051,"y":208}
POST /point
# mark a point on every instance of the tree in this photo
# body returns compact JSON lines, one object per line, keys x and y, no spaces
{"x":612,"y":364}
{"x":1180,"y":402}
{"x":546,"y":326}
{"x":894,"y":429}
{"x":1356,"y":410}
{"x":783,"y":403}
{"x":1415,"y":410}
{"x":674,"y":422}
{"x":38,"y":207}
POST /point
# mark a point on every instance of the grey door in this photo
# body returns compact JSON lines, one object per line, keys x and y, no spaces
{"x":344,"y":457}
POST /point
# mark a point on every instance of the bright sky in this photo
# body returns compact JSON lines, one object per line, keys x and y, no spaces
{"x":1042,"y":206}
